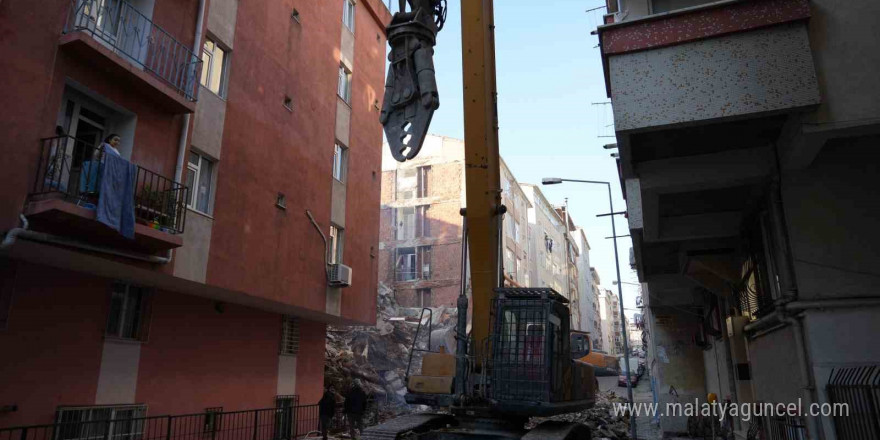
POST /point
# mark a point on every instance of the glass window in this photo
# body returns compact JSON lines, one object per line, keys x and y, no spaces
{"x":348,"y":14}
{"x":214,"y":61}
{"x":344,"y":90}
{"x":122,"y":422}
{"x":199,"y":180}
{"x":340,"y":162}
{"x":127,"y":312}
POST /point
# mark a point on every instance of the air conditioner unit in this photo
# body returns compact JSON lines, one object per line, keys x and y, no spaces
{"x":340,"y":275}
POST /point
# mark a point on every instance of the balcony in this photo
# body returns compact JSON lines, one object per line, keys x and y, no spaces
{"x":67,"y":188}
{"x":116,"y":36}
{"x":715,"y":61}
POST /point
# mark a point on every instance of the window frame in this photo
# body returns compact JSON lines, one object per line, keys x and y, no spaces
{"x":192,"y":203}
{"x":420,"y":297}
{"x":343,"y":89}
{"x":348,"y":14}
{"x":290,"y":336}
{"x":140,"y":313}
{"x":208,"y":66}
{"x":107,"y":428}
{"x":336,"y":243}
{"x":340,"y":162}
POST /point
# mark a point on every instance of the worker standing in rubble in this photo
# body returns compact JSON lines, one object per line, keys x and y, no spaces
{"x":355,"y":406}
{"x":326,"y":410}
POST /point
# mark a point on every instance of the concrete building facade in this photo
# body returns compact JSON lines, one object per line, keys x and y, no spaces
{"x":589,"y":313}
{"x":609,"y":311}
{"x":546,"y":242}
{"x":747,"y":134}
{"x":251,"y":135}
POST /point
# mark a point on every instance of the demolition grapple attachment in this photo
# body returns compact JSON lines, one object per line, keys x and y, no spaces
{"x":411,"y":87}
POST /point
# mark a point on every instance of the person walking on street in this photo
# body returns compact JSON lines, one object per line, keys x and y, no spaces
{"x":326,"y":410}
{"x":355,"y":406}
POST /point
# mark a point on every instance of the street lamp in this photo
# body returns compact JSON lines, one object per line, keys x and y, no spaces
{"x":611,"y":213}
{"x":615,"y":282}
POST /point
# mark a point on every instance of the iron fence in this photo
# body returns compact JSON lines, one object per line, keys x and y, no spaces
{"x":72,"y":168}
{"x":262,"y":424}
{"x":785,"y":428}
{"x":136,"y":38}
{"x":859,"y":389}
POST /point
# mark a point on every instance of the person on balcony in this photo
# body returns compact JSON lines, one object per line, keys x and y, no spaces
{"x":91,"y":169}
{"x":110,"y":144}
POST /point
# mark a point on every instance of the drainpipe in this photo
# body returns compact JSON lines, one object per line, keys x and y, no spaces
{"x":13,"y":233}
{"x":184,"y":131}
{"x":809,"y":385}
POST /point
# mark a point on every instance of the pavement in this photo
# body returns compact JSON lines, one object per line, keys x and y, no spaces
{"x":645,"y":429}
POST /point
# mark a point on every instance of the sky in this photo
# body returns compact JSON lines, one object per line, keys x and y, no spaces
{"x":549,"y":79}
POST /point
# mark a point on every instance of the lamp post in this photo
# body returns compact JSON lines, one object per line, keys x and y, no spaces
{"x":611,"y":213}
{"x":615,"y":282}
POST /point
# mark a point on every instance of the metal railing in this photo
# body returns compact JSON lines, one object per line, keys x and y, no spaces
{"x":72,"y":167}
{"x":133,"y":35}
{"x":784,"y":428}
{"x":261,"y":424}
{"x":859,"y":389}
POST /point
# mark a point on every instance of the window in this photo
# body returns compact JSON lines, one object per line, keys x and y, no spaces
{"x":128,"y":312}
{"x":516,"y":231}
{"x":348,"y":14}
{"x":423,"y":223}
{"x":214,"y":62}
{"x":285,"y":406}
{"x":109,"y":422}
{"x":406,"y":184}
{"x":289,"y":335}
{"x":424,"y":174}
{"x":413,"y":182}
{"x":212,"y":419}
{"x":406,"y":223}
{"x":199,"y":171}
{"x":423,"y":297}
{"x":340,"y":162}
{"x":336,"y":243}
{"x":405,"y":264}
{"x":344,"y":89}
{"x":425,"y":261}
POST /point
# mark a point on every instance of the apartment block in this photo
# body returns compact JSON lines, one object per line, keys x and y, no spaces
{"x":587,"y":290}
{"x":747,"y":133}
{"x":420,"y":232}
{"x":188,"y":200}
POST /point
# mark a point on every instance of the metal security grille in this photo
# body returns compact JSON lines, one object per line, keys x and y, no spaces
{"x":859,"y":389}
{"x":289,"y":335}
{"x":100,"y":422}
{"x":522,"y":345}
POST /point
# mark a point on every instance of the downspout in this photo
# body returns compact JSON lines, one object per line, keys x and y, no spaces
{"x":326,"y":244}
{"x":806,"y":374}
{"x":184,"y":131}
{"x":13,"y":233}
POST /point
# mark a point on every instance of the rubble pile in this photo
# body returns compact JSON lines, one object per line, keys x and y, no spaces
{"x":601,"y":418}
{"x":378,"y":355}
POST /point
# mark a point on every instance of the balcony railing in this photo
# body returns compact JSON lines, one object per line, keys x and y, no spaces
{"x":72,"y":168}
{"x":133,"y":35}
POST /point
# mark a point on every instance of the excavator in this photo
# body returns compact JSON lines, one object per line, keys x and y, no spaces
{"x":519,"y":359}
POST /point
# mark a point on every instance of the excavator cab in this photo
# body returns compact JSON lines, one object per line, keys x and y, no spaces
{"x":531,"y":365}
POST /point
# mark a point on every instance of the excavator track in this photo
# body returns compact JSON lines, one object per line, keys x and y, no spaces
{"x":402,"y":426}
